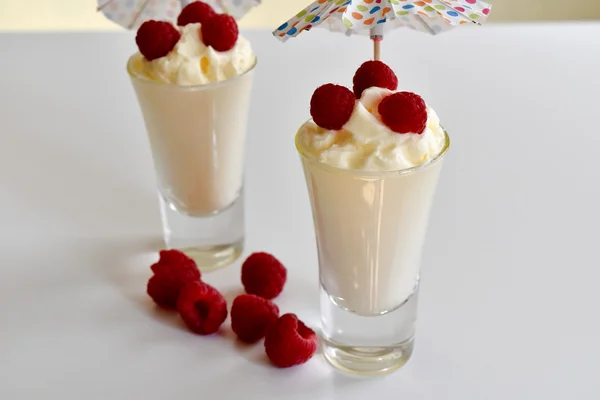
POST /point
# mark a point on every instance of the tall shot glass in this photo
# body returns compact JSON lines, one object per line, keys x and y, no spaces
{"x":370,"y":228}
{"x":197,"y":136}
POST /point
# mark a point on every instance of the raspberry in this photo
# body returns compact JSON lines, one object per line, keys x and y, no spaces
{"x":202,"y":307}
{"x":168,"y":259}
{"x":220,"y":32}
{"x":160,"y":292}
{"x":374,"y":73}
{"x":263,"y":275}
{"x":331,"y":106}
{"x":404,"y":112}
{"x":251,"y":315}
{"x":289,"y":342}
{"x":172,"y":271}
{"x":155,"y":39}
{"x":196,"y":12}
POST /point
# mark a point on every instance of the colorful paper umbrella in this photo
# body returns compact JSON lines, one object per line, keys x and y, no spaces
{"x":131,"y":14}
{"x":375,"y":17}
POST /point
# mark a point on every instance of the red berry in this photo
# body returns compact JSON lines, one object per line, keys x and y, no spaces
{"x":168,"y":259}
{"x":160,"y":292}
{"x":263,"y":275}
{"x":374,"y":73}
{"x":172,"y":271}
{"x":404,"y":112}
{"x":202,"y":307}
{"x":331,"y":106}
{"x":251,"y":315}
{"x":289,"y":342}
{"x":220,"y":32}
{"x":155,"y":39}
{"x":196,"y":12}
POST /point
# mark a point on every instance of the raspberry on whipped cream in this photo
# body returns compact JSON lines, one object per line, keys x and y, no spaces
{"x":331,"y":106}
{"x":404,"y":112}
{"x":373,"y":73}
{"x":382,"y":130}
{"x":205,"y":48}
{"x":365,"y":142}
{"x":220,"y":32}
{"x":195,"y":12}
{"x":155,"y":39}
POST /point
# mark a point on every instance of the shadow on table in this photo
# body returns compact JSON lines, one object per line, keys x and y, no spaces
{"x":126,"y":267}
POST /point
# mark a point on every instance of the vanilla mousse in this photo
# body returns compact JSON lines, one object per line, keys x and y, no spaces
{"x":371,"y":191}
{"x":195,"y":102}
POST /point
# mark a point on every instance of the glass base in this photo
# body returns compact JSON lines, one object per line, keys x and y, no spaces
{"x":368,"y":344}
{"x":367,"y":360}
{"x":214,"y":257}
{"x":213,"y":241}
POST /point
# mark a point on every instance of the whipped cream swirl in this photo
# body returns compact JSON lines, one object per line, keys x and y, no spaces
{"x":191,"y":62}
{"x":366,"y":143}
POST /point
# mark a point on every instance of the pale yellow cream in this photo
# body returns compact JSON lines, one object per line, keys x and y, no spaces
{"x":191,"y":62}
{"x":366,"y":143}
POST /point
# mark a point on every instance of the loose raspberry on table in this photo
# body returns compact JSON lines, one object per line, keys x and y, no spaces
{"x":220,"y":32}
{"x":251,"y":315}
{"x":404,"y":112}
{"x":196,"y":12}
{"x":172,"y":271}
{"x":374,"y":73}
{"x":290,"y":342}
{"x":202,"y":307}
{"x":331,"y":106}
{"x":155,"y":39}
{"x":263,"y":275}
{"x":168,"y":259}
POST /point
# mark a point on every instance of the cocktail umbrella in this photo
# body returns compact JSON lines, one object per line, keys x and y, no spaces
{"x":375,"y":17}
{"x":131,"y":14}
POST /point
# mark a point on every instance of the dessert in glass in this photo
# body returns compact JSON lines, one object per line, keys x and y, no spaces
{"x":371,"y":161}
{"x":193,"y":82}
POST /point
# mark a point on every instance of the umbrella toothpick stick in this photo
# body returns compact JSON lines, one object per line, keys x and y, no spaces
{"x":377,"y":37}
{"x":138,"y":14}
{"x":223,"y":6}
{"x":101,"y":6}
{"x":377,"y":49}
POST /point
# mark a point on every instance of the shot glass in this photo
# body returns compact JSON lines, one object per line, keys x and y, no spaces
{"x":370,"y":228}
{"x":197,"y":136}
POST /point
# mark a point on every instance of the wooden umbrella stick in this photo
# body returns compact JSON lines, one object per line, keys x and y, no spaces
{"x":377,"y":49}
{"x":223,"y":7}
{"x":100,"y":7}
{"x":138,"y":14}
{"x":377,"y":36}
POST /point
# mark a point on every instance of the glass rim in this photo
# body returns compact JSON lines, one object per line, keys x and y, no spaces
{"x":204,"y":86}
{"x":360,"y":172}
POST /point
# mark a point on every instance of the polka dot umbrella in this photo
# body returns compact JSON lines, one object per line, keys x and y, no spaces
{"x":131,"y":14}
{"x":375,"y":17}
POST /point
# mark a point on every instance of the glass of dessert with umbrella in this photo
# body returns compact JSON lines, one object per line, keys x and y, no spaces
{"x":193,"y":79}
{"x":371,"y":158}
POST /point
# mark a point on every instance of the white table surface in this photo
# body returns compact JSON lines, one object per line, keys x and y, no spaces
{"x":510,"y":290}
